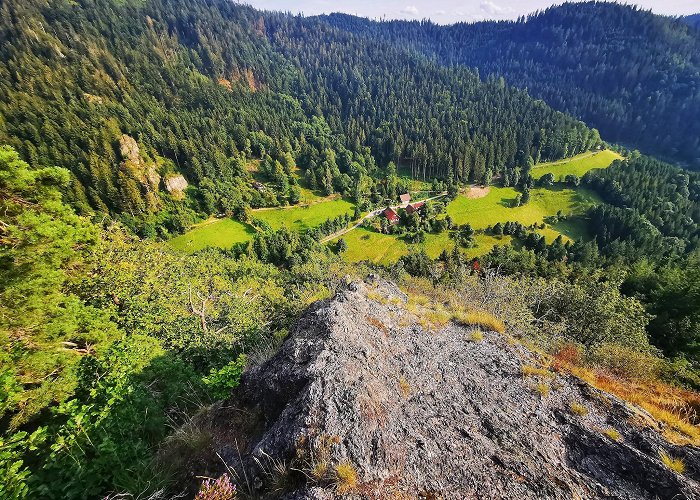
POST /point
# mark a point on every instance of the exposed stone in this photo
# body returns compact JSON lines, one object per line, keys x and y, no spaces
{"x":431,"y":415}
{"x":129,"y":149}
{"x":176,"y":184}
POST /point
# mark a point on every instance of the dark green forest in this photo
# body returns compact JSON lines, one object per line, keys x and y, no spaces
{"x":630,"y":73}
{"x":123,"y":122}
{"x":203,"y":86}
{"x":693,"y":20}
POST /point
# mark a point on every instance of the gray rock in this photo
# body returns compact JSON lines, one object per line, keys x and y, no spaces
{"x":424,"y":414}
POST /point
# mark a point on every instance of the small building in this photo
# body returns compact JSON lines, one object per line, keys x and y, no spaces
{"x":405,"y":198}
{"x":391,"y":216}
{"x":414,"y":207}
{"x":259,"y":186}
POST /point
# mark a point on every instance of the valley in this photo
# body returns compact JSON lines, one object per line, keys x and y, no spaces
{"x":249,"y":254}
{"x":480,"y":212}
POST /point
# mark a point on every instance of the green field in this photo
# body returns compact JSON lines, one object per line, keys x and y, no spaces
{"x":224,"y":233}
{"x":578,"y":165}
{"x":481,"y":213}
{"x":497,"y":206}
{"x":300,"y":218}
{"x":220,"y":233}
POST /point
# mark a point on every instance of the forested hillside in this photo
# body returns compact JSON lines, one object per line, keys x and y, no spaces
{"x":693,"y":20}
{"x":632,"y":74}
{"x":123,"y":122}
{"x":128,"y":95}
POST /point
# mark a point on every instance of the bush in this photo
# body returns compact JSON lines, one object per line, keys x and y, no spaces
{"x":625,"y":362}
{"x":222,"y":381}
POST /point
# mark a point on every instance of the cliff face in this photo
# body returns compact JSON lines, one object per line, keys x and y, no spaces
{"x":362,"y":400}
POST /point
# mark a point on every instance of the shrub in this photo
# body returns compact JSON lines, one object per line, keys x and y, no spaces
{"x":625,"y":362}
{"x":567,"y":355}
{"x":346,"y":478}
{"x":222,"y":381}
{"x":677,"y":465}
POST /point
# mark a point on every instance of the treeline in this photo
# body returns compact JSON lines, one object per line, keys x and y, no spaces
{"x":630,"y":73}
{"x":202,"y":87}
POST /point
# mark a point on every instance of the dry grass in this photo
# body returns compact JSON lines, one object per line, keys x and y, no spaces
{"x":677,"y":408}
{"x":476,"y":336}
{"x":404,"y":387}
{"x":677,"y":465}
{"x":433,"y":318}
{"x":534,"y":371}
{"x":578,"y":409}
{"x":481,"y":319}
{"x":375,"y":322}
{"x":613,"y":434}
{"x":543,"y":390}
{"x":346,"y":478}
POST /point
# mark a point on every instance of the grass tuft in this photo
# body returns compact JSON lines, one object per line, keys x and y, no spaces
{"x":613,"y":434}
{"x":346,"y":478}
{"x":578,"y":409}
{"x":476,"y":336}
{"x":543,"y":390}
{"x":481,"y":319}
{"x":405,"y":387}
{"x":533,"y":371}
{"x":677,"y":465}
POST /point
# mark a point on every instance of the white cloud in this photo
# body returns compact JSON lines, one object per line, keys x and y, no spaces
{"x":440,"y":12}
{"x":491,"y":8}
{"x":410,"y":10}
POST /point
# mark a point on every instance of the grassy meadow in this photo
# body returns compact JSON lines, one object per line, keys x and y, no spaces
{"x":301,"y":218}
{"x":578,"y":165}
{"x":496,"y":206}
{"x":220,"y":233}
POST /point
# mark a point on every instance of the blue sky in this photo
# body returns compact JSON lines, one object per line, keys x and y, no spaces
{"x":448,"y":11}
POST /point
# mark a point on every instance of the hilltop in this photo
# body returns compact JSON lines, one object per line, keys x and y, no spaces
{"x":366,"y":398}
{"x":630,"y":73}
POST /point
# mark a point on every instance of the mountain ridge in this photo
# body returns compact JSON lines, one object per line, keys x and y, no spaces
{"x":630,"y":73}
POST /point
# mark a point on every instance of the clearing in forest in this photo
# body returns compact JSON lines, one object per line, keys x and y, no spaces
{"x":577,"y":165}
{"x":219,"y":233}
{"x":495,"y":206}
{"x":224,"y":233}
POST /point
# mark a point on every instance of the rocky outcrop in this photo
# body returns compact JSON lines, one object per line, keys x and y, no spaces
{"x":176,"y":185}
{"x":138,"y":176}
{"x":429,"y":414}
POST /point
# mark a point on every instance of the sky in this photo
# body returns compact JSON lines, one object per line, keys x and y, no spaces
{"x":448,"y":11}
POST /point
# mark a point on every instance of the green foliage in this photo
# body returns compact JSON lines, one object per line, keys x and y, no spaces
{"x":222,"y":381}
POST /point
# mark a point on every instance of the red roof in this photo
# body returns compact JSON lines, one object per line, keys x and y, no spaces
{"x":414,"y":207}
{"x":405,"y":198}
{"x":391,"y":215}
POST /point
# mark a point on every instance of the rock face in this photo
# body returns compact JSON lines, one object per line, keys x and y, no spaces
{"x":141,"y":177}
{"x":430,"y":414}
{"x":176,"y":184}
